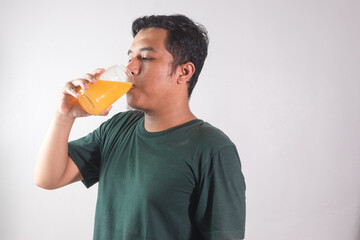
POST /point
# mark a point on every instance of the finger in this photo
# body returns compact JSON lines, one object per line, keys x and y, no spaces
{"x":81,"y":82}
{"x":96,"y":73}
{"x":90,"y":77}
{"x":70,"y":88}
{"x":106,"y":111}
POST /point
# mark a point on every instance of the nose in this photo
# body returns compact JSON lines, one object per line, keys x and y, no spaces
{"x":134,"y":67}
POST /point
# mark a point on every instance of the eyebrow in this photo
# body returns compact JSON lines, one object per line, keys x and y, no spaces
{"x":144,"y":49}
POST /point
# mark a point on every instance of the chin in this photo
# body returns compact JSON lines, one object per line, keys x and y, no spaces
{"x":132,"y":103}
{"x":139,"y":102}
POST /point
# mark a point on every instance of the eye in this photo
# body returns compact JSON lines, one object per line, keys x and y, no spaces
{"x":145,"y":59}
{"x":130,"y":60}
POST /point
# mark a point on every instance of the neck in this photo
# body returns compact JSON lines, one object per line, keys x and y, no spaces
{"x":167,"y":118}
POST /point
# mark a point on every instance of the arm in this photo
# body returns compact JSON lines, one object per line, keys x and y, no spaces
{"x":54,"y":168}
{"x":220,"y":217}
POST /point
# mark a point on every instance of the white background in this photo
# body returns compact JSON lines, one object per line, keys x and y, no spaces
{"x":281,"y":80}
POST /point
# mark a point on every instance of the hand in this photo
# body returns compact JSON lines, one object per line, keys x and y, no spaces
{"x":68,"y":104}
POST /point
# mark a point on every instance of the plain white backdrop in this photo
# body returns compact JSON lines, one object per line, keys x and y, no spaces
{"x":282,"y":80}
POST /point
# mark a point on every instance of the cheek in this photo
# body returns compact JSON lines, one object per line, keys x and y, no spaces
{"x":155,"y":82}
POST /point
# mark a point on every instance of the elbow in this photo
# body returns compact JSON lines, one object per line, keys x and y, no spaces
{"x":43,"y":180}
{"x":44,"y":186}
{"x":41,"y":183}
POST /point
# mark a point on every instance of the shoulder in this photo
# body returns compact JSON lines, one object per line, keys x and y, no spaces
{"x":211,"y":137}
{"x":215,"y":152}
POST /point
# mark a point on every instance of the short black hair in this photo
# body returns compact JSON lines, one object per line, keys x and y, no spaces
{"x":187,"y":41}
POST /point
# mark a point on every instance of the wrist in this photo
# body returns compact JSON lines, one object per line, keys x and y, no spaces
{"x":63,"y":119}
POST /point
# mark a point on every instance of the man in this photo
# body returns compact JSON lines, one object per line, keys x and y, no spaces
{"x":162,"y":173}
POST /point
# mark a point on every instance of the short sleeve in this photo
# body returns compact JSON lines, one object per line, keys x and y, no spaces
{"x":86,"y":154}
{"x":221,"y":207}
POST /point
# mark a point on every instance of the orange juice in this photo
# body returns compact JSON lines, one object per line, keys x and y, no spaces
{"x":101,"y":95}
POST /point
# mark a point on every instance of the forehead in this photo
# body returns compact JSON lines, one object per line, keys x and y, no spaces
{"x":149,"y":37}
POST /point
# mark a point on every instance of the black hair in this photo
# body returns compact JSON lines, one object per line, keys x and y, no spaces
{"x":187,"y":41}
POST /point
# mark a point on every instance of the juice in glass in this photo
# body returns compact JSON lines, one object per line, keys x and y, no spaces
{"x":101,"y":95}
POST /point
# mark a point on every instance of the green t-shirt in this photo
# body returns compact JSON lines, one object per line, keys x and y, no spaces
{"x":182,"y":183}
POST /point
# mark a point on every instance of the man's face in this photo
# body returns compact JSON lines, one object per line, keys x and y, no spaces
{"x":151,"y":64}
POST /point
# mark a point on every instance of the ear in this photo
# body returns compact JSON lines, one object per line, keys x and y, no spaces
{"x":185,"y":72}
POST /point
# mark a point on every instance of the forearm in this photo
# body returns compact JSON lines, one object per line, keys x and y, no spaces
{"x":53,"y":156}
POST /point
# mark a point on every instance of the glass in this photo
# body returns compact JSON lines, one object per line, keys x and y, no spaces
{"x":112,"y":84}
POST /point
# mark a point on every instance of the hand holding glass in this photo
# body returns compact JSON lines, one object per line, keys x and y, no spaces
{"x":112,"y":84}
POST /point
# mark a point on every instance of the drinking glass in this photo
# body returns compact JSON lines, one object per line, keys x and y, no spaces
{"x":112,"y":84}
